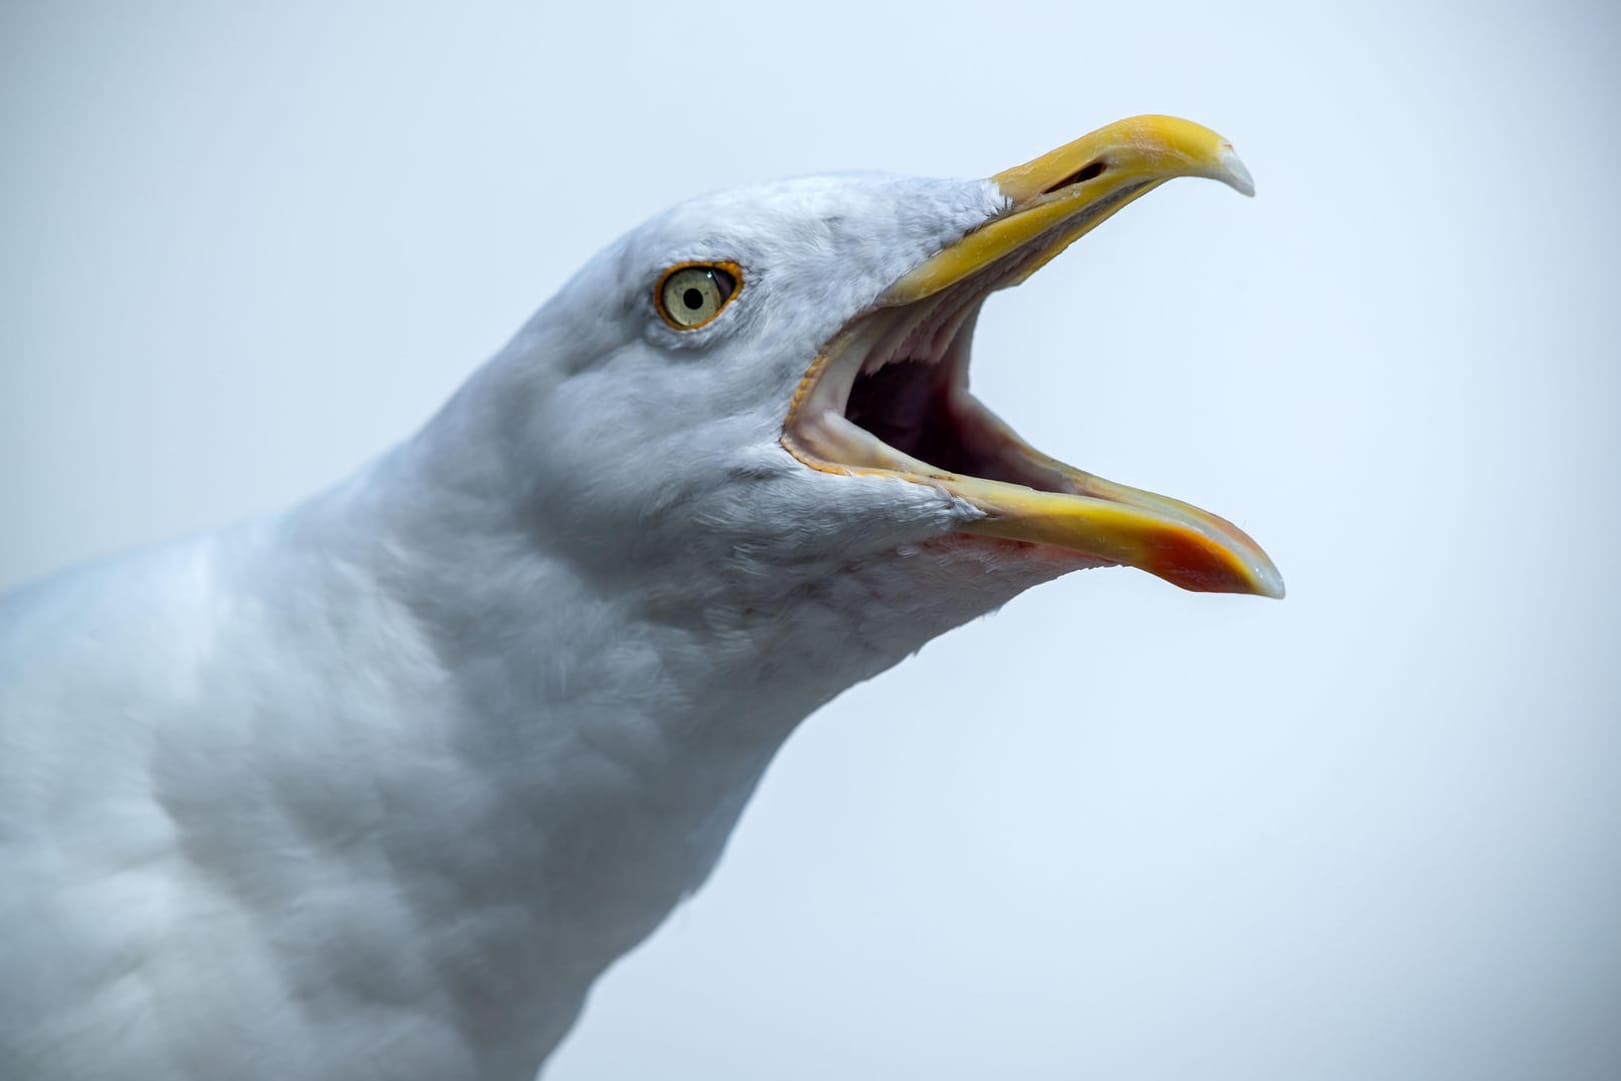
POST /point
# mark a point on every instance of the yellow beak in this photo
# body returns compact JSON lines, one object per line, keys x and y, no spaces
{"x":1056,"y":199}
{"x":1066,"y":193}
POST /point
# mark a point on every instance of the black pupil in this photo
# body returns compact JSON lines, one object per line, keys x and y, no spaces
{"x":693,"y":299}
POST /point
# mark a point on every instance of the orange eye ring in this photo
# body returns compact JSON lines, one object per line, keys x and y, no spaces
{"x":692,"y":295}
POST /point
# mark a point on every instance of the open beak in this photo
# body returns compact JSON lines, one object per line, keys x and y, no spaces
{"x":889,"y":393}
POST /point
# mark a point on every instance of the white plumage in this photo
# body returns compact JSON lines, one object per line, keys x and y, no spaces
{"x":376,"y":787}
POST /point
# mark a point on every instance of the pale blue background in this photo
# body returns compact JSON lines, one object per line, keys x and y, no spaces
{"x":1118,"y":831}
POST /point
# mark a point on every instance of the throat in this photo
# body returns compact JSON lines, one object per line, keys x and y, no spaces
{"x":922,"y":410}
{"x":909,"y":406}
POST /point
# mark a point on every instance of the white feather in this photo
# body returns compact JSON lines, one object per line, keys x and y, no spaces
{"x":378,"y":786}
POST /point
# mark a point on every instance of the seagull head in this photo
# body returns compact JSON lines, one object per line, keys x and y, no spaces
{"x":775,"y":380}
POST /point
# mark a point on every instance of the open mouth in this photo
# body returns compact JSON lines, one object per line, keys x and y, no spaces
{"x":889,"y":393}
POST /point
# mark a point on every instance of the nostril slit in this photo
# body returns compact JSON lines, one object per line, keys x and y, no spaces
{"x":1088,"y":173}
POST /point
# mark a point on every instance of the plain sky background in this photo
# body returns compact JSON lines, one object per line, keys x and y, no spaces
{"x":1118,"y":830}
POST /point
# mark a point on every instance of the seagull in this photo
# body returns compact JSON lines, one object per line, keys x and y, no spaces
{"x":378,"y":786}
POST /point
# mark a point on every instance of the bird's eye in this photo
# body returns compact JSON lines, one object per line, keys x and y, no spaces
{"x":692,"y":294}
